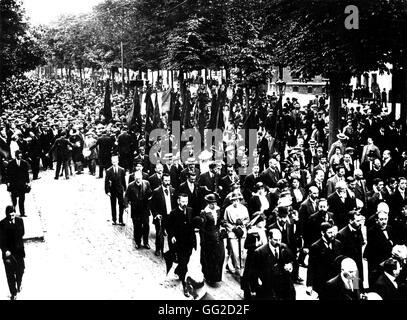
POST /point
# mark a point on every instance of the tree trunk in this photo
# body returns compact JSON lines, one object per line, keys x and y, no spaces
{"x":335,"y":94}
{"x":403,"y":93}
{"x":393,"y":91}
{"x":128,"y":83}
{"x":172,"y":79}
{"x":80,"y":76}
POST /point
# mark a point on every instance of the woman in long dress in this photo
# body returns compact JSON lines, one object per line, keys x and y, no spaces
{"x":212,"y":247}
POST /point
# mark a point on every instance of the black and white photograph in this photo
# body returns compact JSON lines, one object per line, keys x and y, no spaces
{"x":227,"y":150}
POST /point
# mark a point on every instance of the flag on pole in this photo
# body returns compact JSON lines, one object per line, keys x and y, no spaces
{"x":149,"y":111}
{"x":157,"y":123}
{"x":107,"y":105}
{"x":134,"y":116}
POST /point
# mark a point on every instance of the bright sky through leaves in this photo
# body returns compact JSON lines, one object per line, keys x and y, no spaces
{"x":46,"y":11}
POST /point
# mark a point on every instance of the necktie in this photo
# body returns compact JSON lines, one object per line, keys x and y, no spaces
{"x":166,"y":191}
{"x":350,"y":284}
{"x":276,"y":253}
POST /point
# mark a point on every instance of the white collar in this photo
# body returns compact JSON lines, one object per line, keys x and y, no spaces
{"x":391,"y":278}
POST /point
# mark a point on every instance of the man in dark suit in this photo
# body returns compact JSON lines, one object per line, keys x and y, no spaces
{"x":380,"y":240}
{"x":386,"y":286}
{"x":271,"y":175}
{"x":312,"y":230}
{"x":162,"y":203}
{"x":145,"y":160}
{"x":308,"y":207}
{"x":360,"y":188}
{"x":209,"y":181}
{"x":12,"y":247}
{"x":263,"y":150}
{"x":182,"y":236}
{"x":344,"y":286}
{"x":61,"y":147}
{"x":139,"y":194}
{"x":352,"y":240}
{"x":115,"y":185}
{"x":227,"y":183}
{"x":105,"y":144}
{"x":389,"y":168}
{"x":190,"y":168}
{"x":340,"y":203}
{"x":398,"y":199}
{"x":17,"y":181}
{"x":125,"y":149}
{"x":249,"y":184}
{"x":322,"y":255}
{"x":190,"y":188}
{"x":319,"y":182}
{"x":156,"y":179}
{"x":138,"y":166}
{"x":272,"y":265}
{"x":375,"y":173}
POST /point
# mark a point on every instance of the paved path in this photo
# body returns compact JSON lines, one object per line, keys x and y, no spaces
{"x":83,"y":256}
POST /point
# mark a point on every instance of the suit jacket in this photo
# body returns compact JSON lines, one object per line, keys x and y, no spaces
{"x":389,"y":170}
{"x":194,"y":198}
{"x":385,"y":288}
{"x":139,"y":198}
{"x":248,"y":186}
{"x":106,"y":145}
{"x":330,"y":185}
{"x":321,"y":264}
{"x":11,"y":237}
{"x":276,"y":282}
{"x":312,"y":229}
{"x":270,"y":178}
{"x":378,"y":247}
{"x":340,"y":209}
{"x":174,"y":173}
{"x":371,"y":175}
{"x":180,"y":226}
{"x":155,"y":181}
{"x":125,"y":143}
{"x":288,"y":236}
{"x":361,"y":191}
{"x":206,"y":181}
{"x":115,"y":183}
{"x":17,"y":176}
{"x":322,"y":190}
{"x":352,"y":242}
{"x":396,"y":203}
{"x":158,"y":205}
{"x":335,"y":290}
{"x":61,"y":149}
{"x":227,"y":183}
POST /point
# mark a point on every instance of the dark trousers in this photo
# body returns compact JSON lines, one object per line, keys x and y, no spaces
{"x":159,"y":236}
{"x":92,"y":166}
{"x":35,"y":166}
{"x":117,"y":197}
{"x":14,"y":267}
{"x":183,"y":260}
{"x":141,"y":229}
{"x":46,"y":162}
{"x":101,"y":168}
{"x":125,"y":160}
{"x":21,"y":200}
{"x":64,"y":165}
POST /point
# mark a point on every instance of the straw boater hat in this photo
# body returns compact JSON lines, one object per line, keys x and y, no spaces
{"x":341,"y":136}
{"x":205,"y":155}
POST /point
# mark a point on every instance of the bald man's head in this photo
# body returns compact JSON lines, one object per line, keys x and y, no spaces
{"x":349,"y":269}
{"x":275,"y":237}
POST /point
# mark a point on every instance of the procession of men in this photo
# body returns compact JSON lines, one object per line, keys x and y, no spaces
{"x":338,"y":212}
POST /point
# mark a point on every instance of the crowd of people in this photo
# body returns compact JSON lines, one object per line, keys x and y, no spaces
{"x":339,"y":211}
